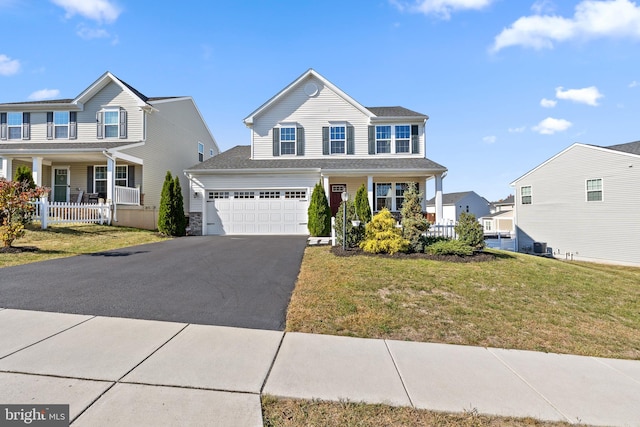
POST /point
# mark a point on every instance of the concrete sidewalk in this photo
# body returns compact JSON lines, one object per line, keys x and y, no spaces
{"x":121,"y":372}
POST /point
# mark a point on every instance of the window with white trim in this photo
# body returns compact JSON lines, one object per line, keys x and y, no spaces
{"x":594,"y":190}
{"x":122,"y":175}
{"x":200,"y":152}
{"x":211,"y":152}
{"x":390,"y":195}
{"x":337,"y":139}
{"x":287,"y":140}
{"x":383,"y":139}
{"x":14,"y":125}
{"x":61,"y":124}
{"x":525,"y":195}
{"x":487,"y":225}
{"x":403,"y":138}
{"x":218,"y":195}
{"x":111,"y":123}
{"x":100,"y":180}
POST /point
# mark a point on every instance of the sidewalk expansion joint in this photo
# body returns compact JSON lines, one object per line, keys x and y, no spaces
{"x":395,"y":365}
{"x":273,"y":362}
{"x":185,"y":387}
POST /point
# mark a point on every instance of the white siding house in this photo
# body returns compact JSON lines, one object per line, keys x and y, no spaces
{"x":111,"y":142}
{"x":310,"y":132}
{"x":454,"y":204}
{"x":583,"y":204}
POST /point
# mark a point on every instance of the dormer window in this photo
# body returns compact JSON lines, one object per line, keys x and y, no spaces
{"x":287,"y":140}
{"x":337,"y":139}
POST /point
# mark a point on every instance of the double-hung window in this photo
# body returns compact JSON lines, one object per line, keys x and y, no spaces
{"x":200,"y":152}
{"x":384,"y":198}
{"x":14,"y":125}
{"x":111,"y":120}
{"x":383,"y":139}
{"x":100,"y":180}
{"x":403,"y":138}
{"x":337,"y":139}
{"x":594,"y":190}
{"x":525,"y":195}
{"x":287,"y":140}
{"x":122,"y":175}
{"x":61,"y":124}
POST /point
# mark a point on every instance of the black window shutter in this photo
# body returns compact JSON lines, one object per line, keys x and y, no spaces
{"x":276,"y":142}
{"x":3,"y":125}
{"x":73,"y":125}
{"x":351,"y":149}
{"x":325,"y":140}
{"x":99,"y":128}
{"x":49,"y":124}
{"x":123,"y":123}
{"x":89,"y":179}
{"x":372,"y":140}
{"x":26,"y":125}
{"x":131,"y":176}
{"x":300,"y":141}
{"x":415,"y":139}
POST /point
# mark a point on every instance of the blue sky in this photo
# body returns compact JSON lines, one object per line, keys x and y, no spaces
{"x":507,"y":84}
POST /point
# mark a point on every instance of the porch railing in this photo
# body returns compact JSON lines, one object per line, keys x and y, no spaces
{"x":70,"y":213}
{"x":442,"y":230}
{"x":127,"y":195}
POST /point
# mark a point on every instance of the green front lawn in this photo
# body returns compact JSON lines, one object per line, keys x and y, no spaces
{"x":515,"y":301}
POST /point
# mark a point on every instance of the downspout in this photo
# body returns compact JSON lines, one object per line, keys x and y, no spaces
{"x":113,"y":180}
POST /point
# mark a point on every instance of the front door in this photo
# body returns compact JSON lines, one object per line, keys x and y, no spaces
{"x":336,"y":197}
{"x":60,"y":185}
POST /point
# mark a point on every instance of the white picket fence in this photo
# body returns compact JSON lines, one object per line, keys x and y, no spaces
{"x":71,"y":213}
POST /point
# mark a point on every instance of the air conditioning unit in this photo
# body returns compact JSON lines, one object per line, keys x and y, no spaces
{"x":539,"y":247}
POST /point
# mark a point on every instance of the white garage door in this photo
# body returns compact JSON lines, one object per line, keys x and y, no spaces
{"x":257,"y":211}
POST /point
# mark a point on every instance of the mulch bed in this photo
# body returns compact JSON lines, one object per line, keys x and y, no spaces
{"x":476,"y":257}
{"x":17,"y":249}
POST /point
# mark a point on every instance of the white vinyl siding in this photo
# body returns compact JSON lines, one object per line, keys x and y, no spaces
{"x":594,"y":190}
{"x":608,"y":230}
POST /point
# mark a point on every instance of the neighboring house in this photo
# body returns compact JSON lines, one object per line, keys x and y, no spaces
{"x":456,"y":203}
{"x":310,"y":132}
{"x":499,"y":221}
{"x":582,"y":204}
{"x":111,"y":142}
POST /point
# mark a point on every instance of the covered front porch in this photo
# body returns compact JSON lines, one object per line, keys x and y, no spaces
{"x":384,"y":189}
{"x":112,"y":178}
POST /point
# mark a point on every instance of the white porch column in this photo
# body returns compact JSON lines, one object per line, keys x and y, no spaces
{"x":370,"y":193}
{"x":3,"y":167}
{"x":424,"y":194}
{"x":439,"y":212}
{"x":111,"y":169}
{"x":36,"y":170}
{"x":325,"y":185}
{"x":7,"y":168}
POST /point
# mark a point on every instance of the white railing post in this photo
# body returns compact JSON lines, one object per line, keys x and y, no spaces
{"x":44,"y":213}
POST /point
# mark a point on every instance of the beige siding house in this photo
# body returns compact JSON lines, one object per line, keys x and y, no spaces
{"x":311,"y":132}
{"x":111,"y":142}
{"x":582,"y":204}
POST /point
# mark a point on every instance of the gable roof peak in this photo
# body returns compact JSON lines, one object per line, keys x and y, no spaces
{"x":103,"y":81}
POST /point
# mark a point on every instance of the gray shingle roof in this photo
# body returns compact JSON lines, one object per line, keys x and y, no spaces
{"x":630,"y":147}
{"x":239,"y":158}
{"x":449,"y":198}
{"x":394,"y":112}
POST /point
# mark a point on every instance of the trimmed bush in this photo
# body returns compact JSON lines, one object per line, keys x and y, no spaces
{"x":180,"y":228}
{"x":363,"y":209}
{"x":23,"y":175}
{"x":414,"y":224}
{"x":354,"y":234}
{"x":382,"y":235}
{"x":319,"y":213}
{"x":450,"y":247}
{"x":470,"y":231}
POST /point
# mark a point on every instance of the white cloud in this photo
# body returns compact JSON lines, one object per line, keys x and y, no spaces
{"x":588,"y":95}
{"x":441,"y":8}
{"x":592,"y":19}
{"x":518,"y":129}
{"x":44,"y":94}
{"x":489,"y":139}
{"x":549,"y":126}
{"x":633,"y":84}
{"x":96,"y":10}
{"x":92,"y":33}
{"x":543,"y":6}
{"x":8,"y":66}
{"x":548,"y":103}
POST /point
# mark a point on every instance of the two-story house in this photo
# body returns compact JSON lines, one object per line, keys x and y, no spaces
{"x":311,"y":132}
{"x":110,"y":142}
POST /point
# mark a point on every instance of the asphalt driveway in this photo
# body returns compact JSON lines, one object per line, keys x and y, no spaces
{"x":213,"y":280}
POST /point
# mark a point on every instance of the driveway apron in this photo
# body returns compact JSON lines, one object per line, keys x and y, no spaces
{"x":213,"y":280}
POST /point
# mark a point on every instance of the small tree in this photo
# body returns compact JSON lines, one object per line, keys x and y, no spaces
{"x":23,"y":174}
{"x":177,"y":204}
{"x":414,"y":224}
{"x":16,"y":208}
{"x":355,"y":234}
{"x":319,"y":213}
{"x":363,"y":209}
{"x":165,"y":218}
{"x":382,"y":235}
{"x":470,"y":231}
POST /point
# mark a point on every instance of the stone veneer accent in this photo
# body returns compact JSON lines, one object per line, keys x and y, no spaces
{"x":195,"y":224}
